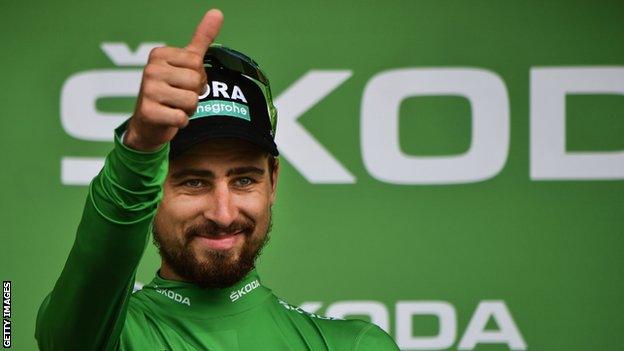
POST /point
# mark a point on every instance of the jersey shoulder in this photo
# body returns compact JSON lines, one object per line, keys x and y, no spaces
{"x":358,"y":334}
{"x":372,"y":337}
{"x":142,"y":327}
{"x":346,"y":334}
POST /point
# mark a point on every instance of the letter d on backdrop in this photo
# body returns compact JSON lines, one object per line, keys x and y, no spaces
{"x":549,"y":158}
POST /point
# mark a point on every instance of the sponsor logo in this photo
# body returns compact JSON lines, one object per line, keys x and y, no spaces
{"x":379,"y":120}
{"x":448,"y":335}
{"x":290,"y":307}
{"x":175,"y":296}
{"x":221,"y":108}
{"x":237,"y":294}
{"x":218,"y":89}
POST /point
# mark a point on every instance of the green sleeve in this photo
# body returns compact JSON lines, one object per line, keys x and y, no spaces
{"x":87,"y":306}
{"x":374,"y":338}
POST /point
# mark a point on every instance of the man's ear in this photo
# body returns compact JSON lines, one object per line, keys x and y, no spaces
{"x":274,"y":177}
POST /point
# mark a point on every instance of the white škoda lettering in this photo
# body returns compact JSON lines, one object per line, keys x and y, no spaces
{"x":175,"y":296}
{"x":237,"y":294}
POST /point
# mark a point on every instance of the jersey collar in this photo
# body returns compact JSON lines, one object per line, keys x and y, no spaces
{"x":190,"y":300}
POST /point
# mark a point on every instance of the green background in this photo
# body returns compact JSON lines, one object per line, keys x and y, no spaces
{"x":552,"y":250}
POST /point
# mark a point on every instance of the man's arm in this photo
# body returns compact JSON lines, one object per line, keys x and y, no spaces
{"x":87,"y":308}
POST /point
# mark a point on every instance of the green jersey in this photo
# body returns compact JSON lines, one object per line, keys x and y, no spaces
{"x":92,"y":305}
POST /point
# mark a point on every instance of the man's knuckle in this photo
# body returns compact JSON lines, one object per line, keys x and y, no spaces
{"x":156,"y":52}
{"x":151,"y":70}
{"x":180,"y":116}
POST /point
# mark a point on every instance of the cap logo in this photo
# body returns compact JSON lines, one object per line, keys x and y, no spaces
{"x":220,"y":89}
{"x":219,"y":107}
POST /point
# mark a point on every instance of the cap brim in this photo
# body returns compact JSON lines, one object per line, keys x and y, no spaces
{"x":213,"y":127}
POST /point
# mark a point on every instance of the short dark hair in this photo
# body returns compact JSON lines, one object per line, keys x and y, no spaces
{"x":272,"y":165}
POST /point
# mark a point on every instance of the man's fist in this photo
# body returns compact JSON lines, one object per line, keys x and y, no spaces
{"x":172,"y":81}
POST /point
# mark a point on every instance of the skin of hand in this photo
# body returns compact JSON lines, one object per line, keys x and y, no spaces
{"x":172,"y":81}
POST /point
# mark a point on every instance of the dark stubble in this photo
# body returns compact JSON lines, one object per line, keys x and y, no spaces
{"x":216,"y":268}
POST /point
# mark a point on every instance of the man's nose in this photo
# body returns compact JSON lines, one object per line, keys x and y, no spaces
{"x":221,"y":209}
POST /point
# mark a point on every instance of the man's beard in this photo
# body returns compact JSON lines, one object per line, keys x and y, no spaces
{"x":216,"y":268}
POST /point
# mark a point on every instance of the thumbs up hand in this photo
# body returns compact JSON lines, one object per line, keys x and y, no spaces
{"x":172,"y":81}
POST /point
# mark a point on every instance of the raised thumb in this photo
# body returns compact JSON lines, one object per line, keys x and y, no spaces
{"x":206,"y":32}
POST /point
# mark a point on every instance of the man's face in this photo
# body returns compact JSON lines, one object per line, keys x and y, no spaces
{"x":215,"y":213}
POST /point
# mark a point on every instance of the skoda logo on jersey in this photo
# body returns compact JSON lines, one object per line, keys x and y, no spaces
{"x":175,"y":296}
{"x":238,"y":293}
{"x":221,"y":90}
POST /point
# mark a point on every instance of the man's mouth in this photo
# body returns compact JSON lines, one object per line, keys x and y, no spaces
{"x":220,"y":241}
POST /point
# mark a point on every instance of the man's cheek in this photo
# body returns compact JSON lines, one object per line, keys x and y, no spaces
{"x":255,"y":206}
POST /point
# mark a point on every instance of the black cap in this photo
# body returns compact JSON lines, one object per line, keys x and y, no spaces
{"x":237,"y":104}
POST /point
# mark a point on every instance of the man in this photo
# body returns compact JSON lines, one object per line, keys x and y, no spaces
{"x":204,"y":186}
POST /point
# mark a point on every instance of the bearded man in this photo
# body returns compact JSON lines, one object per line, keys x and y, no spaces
{"x":197,"y":166}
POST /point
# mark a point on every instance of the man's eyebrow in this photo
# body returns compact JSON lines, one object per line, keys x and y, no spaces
{"x":245,"y":170}
{"x":204,"y":173}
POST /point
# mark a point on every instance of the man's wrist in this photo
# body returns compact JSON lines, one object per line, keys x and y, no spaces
{"x":132,"y":141}
{"x":125,"y":140}
{"x":128,"y":163}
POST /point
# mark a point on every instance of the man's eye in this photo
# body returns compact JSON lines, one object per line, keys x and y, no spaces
{"x":244,"y":181}
{"x":194,"y":183}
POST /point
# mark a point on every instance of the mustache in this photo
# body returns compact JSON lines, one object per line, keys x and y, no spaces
{"x":210,"y":228}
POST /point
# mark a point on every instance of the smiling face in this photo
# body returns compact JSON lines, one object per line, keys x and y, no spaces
{"x":215,"y":214}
